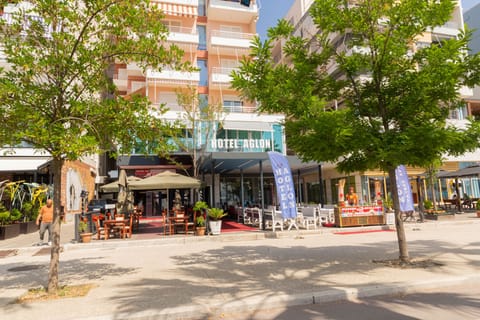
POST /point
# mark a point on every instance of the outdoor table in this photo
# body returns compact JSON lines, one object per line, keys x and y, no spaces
{"x":111,"y":224}
{"x":175,"y":221}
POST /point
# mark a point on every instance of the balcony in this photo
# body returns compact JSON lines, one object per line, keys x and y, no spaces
{"x":240,"y":109}
{"x":221,"y":76}
{"x":183,"y":35}
{"x":232,"y":10}
{"x":174,"y":77}
{"x":448,"y":29}
{"x":228,"y":42}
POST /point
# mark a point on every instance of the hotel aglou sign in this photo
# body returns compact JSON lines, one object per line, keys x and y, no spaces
{"x":244,"y":144}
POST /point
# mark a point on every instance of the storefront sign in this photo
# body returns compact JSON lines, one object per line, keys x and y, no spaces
{"x":243,"y":144}
{"x":356,"y":211}
{"x":284,"y":184}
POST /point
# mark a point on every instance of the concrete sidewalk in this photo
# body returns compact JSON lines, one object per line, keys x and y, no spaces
{"x":198,"y":278}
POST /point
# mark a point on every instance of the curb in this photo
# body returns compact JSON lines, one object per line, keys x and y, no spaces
{"x":288,"y":300}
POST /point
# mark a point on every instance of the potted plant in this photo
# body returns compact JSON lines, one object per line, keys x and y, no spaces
{"x":7,"y":228}
{"x":477,"y":207}
{"x":200,"y":226}
{"x":200,"y":206}
{"x":82,"y":229}
{"x":28,"y":225}
{"x":215,"y":216}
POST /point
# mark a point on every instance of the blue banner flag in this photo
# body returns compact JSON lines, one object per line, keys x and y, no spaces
{"x":284,"y":183}
{"x":404,"y":191}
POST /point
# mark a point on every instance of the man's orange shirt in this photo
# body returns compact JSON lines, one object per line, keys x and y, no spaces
{"x":47,"y":214}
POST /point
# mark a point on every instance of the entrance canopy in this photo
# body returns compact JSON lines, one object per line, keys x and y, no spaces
{"x":165,"y":180}
{"x":249,"y":162}
{"x":472,"y":171}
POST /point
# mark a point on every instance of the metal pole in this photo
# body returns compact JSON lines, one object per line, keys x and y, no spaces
{"x":262,"y":225}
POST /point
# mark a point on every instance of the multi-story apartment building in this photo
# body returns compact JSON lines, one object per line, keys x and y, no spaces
{"x":368,"y":184}
{"x":215,"y":35}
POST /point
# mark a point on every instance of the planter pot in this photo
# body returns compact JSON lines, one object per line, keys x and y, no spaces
{"x":215,"y":226}
{"x":478,"y":214}
{"x":200,"y":231}
{"x":9,"y":231}
{"x":28,"y":227}
{"x":86,"y":237}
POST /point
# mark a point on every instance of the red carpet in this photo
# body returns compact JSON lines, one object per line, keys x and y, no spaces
{"x":231,"y":226}
{"x":151,"y":227}
{"x":363,"y":231}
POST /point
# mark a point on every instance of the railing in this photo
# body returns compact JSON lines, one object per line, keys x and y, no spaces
{"x":177,"y":29}
{"x":232,"y":34}
{"x":183,"y":2}
{"x":240,"y":109}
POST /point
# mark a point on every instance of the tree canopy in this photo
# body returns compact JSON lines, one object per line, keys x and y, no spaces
{"x":57,"y":90}
{"x":370,"y":87}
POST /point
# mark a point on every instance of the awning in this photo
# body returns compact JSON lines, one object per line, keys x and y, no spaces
{"x":247,"y":126}
{"x":472,"y":171}
{"x":21,"y":164}
{"x":171,"y":9}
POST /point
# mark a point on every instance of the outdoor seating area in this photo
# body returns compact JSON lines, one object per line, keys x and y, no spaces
{"x":308,"y":217}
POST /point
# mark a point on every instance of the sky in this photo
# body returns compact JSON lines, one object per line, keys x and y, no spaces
{"x":272,"y":10}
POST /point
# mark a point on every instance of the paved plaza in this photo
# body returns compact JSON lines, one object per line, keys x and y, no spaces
{"x":188,"y":277}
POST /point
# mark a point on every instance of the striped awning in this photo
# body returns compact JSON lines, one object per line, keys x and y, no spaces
{"x":171,"y":9}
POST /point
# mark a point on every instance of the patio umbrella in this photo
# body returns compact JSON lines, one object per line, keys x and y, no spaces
{"x":122,"y":192}
{"x":166,"y":180}
{"x":113,"y":186}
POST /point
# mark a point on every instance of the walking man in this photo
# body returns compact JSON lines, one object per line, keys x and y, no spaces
{"x":45,"y":220}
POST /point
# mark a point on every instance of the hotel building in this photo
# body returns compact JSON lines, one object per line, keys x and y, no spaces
{"x":215,"y":35}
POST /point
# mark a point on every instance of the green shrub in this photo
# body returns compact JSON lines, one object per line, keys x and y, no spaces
{"x":4,"y":217}
{"x":200,"y":221}
{"x":427,"y":204}
{"x":200,"y":206}
{"x":216,"y":213}
{"x":15,"y":215}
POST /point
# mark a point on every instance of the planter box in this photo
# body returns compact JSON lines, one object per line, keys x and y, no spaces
{"x":440,"y":217}
{"x":28,"y":227}
{"x":9,"y":231}
{"x":215,"y":226}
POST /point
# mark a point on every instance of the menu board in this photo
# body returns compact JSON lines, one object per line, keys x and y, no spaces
{"x":359,"y":216}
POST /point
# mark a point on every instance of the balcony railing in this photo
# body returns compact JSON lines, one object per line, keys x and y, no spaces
{"x":230,"y":39}
{"x":168,"y":75}
{"x":182,"y":2}
{"x":222,"y":75}
{"x":222,"y":10}
{"x":182,"y":34}
{"x":240,"y":109}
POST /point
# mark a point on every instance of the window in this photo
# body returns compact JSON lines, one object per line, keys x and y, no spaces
{"x":230,"y":31}
{"x":202,"y":12}
{"x":202,"y":37}
{"x":173,"y":26}
{"x":202,"y":65}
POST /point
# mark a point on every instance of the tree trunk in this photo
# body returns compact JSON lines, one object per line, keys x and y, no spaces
{"x":57,"y":165}
{"x":402,"y":241}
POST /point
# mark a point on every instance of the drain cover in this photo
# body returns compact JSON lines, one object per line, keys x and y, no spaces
{"x":26,"y":268}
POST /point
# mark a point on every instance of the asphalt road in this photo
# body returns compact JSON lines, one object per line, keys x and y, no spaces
{"x":449,"y":303}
